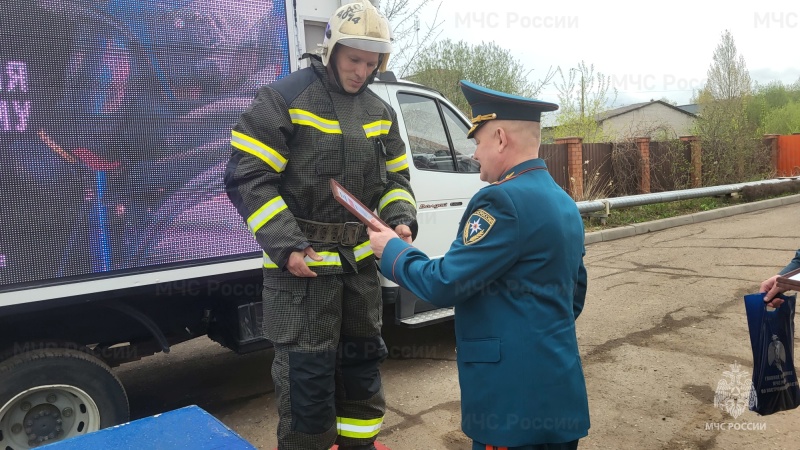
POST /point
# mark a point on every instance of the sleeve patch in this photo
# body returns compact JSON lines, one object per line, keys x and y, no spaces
{"x":477,"y":226}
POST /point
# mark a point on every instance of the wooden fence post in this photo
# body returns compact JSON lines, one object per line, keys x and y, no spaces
{"x":697,"y":160}
{"x":574,"y":164}
{"x":643,"y":144}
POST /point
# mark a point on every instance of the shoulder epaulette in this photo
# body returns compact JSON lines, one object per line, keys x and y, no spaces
{"x":510,"y":176}
{"x":513,"y":175}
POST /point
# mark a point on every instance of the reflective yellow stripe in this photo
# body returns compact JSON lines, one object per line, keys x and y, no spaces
{"x":396,"y":194}
{"x":268,"y":262}
{"x":302,"y":117}
{"x":362,"y":251}
{"x":356,"y":428}
{"x":377,"y":128}
{"x":328,"y":259}
{"x":397,"y":164}
{"x":258,"y":149}
{"x":265,"y":213}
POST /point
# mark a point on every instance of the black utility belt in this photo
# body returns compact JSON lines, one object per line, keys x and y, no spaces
{"x":346,"y":233}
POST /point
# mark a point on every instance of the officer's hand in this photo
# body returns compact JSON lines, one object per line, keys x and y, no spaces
{"x":378,"y":239}
{"x":297,"y":265}
{"x":770,"y":286}
{"x":403,"y":232}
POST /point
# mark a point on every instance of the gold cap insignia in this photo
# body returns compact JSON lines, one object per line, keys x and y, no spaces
{"x":479,"y":120}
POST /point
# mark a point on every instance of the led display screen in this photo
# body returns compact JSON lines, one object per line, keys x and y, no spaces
{"x":115,"y":119}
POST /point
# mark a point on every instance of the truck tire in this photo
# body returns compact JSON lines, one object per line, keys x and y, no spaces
{"x":52,"y":394}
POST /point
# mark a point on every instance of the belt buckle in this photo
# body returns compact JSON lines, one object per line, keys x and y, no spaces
{"x":350,"y":233}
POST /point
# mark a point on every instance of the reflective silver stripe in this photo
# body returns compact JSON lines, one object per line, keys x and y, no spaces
{"x":265,"y":213}
{"x":258,"y":149}
{"x":328,"y":259}
{"x":397,"y":164}
{"x":396,"y":194}
{"x":362,"y":251}
{"x":356,"y":428}
{"x":302,"y":117}
{"x":377,"y":128}
{"x":268,"y":262}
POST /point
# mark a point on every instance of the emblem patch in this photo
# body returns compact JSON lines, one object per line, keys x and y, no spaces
{"x":477,"y":226}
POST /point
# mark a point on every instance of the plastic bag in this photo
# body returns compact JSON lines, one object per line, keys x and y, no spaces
{"x":772,"y":341}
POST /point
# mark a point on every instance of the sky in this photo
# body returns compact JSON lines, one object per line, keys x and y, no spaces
{"x":649,"y":50}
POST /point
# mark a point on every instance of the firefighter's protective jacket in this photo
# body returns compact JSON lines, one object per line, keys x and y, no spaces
{"x":300,"y":132}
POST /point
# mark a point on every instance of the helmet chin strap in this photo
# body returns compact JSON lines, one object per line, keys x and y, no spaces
{"x":332,"y":72}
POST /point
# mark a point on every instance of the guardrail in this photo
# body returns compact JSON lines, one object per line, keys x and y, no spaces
{"x":606,"y":205}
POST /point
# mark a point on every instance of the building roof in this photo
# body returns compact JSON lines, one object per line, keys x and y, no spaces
{"x":626,"y":109}
{"x":693,"y":108}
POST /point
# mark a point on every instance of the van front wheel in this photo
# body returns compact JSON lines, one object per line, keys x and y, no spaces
{"x":51,"y":394}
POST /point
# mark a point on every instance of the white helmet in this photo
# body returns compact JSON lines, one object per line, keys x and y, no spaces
{"x":358,"y":25}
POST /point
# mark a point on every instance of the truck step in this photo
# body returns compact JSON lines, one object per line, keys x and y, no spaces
{"x":428,"y":317}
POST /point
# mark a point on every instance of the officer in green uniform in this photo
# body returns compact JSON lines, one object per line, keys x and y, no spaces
{"x":322,"y":295}
{"x":516,"y":277}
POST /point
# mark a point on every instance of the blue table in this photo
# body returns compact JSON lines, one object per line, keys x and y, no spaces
{"x":181,"y":429}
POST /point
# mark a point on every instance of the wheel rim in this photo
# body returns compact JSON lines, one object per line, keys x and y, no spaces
{"x":45,"y":414}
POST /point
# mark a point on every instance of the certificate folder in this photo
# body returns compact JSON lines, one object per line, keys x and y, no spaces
{"x":352,"y":204}
{"x":789,"y":281}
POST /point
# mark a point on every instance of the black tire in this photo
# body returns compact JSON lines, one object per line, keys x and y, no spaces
{"x":69,"y":393}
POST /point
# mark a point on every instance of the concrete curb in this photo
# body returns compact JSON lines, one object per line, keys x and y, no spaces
{"x":657,"y":225}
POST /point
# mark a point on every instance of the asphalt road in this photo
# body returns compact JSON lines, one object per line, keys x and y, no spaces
{"x":664,"y":323}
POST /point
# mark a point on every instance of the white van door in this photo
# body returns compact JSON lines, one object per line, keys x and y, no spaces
{"x":443,"y":175}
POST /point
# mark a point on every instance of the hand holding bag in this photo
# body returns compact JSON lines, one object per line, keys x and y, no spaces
{"x":772,"y":341}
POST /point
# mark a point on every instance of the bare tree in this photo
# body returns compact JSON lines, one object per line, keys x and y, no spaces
{"x":732,"y":149}
{"x":408,"y":33}
{"x":583,"y":94}
{"x":728,"y":77}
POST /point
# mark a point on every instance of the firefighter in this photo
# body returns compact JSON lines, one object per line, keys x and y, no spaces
{"x":516,"y":277}
{"x":322,"y":295}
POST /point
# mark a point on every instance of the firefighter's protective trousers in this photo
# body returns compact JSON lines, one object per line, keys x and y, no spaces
{"x":328,"y":347}
{"x":297,"y":134}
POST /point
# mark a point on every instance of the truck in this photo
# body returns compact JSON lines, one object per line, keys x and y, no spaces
{"x":117,"y":240}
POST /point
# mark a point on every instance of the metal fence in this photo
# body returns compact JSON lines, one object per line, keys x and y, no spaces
{"x":670,"y":166}
{"x":555,"y":156}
